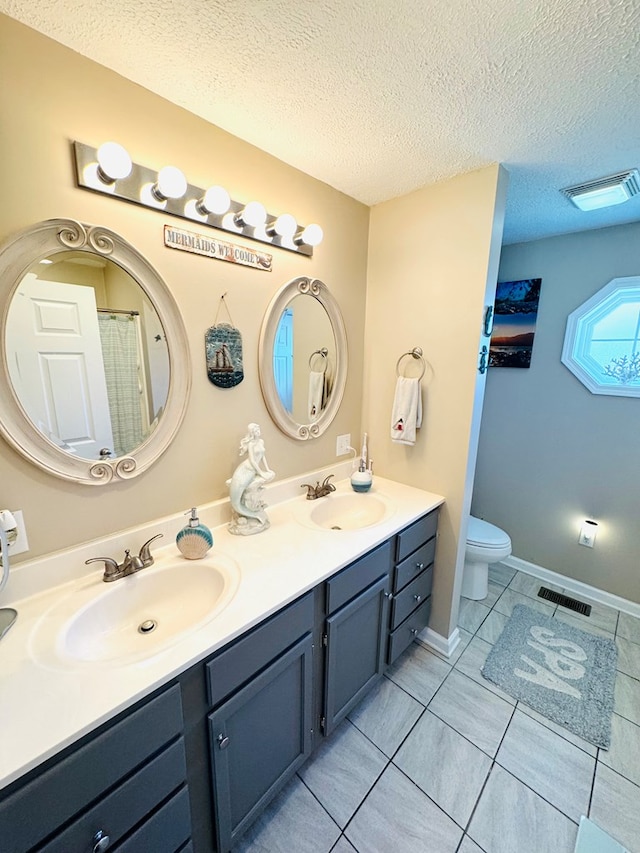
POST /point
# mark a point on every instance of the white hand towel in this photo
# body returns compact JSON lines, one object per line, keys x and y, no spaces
{"x":316,"y":391}
{"x":406,"y":414}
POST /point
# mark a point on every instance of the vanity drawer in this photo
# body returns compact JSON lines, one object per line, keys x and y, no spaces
{"x":39,"y":807}
{"x":358,"y":576}
{"x":246,"y":657}
{"x":165,"y":831}
{"x":416,"y":535}
{"x":411,"y":596}
{"x":411,"y":567}
{"x":117,"y":813}
{"x":406,"y":632}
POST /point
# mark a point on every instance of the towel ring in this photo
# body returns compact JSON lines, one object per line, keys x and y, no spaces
{"x":416,"y":353}
{"x":323,"y":353}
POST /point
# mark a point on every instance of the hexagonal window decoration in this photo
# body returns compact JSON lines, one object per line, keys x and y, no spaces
{"x":602,"y":339}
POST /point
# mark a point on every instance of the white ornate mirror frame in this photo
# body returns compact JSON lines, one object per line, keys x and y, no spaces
{"x":17,"y":254}
{"x":315,"y":289}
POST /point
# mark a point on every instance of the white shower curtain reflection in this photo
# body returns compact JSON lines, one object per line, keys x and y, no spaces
{"x":119,"y":337}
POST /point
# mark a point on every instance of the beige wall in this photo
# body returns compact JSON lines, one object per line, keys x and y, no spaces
{"x":430,"y":256}
{"x":433,"y":257}
{"x":552,"y":453}
{"x":51,"y":96}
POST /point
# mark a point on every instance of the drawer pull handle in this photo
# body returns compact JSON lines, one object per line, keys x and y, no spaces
{"x":417,"y":598}
{"x":414,"y":632}
{"x":100,"y":842}
{"x":388,"y":595}
{"x":223,"y":741}
{"x":419,"y":567}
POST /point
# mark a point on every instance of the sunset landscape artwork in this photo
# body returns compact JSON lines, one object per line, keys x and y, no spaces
{"x":515,"y":315}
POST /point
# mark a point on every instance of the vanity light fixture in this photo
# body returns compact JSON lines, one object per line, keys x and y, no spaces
{"x":171,"y":183}
{"x":109,"y":170}
{"x":216,"y":200}
{"x":604,"y":192}
{"x":588,"y":533}
{"x":252,"y":214}
{"x":311,"y":235}
{"x":284,"y":225}
{"x":114,"y":162}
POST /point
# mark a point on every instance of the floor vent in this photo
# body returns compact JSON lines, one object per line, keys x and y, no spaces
{"x":564,"y":601}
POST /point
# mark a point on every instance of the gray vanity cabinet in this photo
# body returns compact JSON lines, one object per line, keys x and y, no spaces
{"x":123,"y":789}
{"x":415,"y":548}
{"x":261,"y":732}
{"x":190,"y":768}
{"x":355,"y":633}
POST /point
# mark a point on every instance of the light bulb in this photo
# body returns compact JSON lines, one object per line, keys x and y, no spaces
{"x":171,"y":183}
{"x":216,"y":200}
{"x":311,"y":235}
{"x":114,"y":162}
{"x":252,"y":214}
{"x":284,"y":226}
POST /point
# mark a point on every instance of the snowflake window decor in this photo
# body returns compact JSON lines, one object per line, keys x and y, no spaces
{"x":624,"y":369}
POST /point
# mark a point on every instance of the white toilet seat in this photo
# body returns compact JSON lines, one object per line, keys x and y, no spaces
{"x":489,"y":555}
{"x":485,"y":544}
{"x":485,"y":535}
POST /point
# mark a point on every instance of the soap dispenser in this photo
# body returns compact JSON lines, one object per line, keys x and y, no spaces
{"x":195,"y":539}
{"x":362,"y":478}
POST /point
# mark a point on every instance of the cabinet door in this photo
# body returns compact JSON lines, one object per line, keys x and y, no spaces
{"x":356,"y":644}
{"x":259,"y":738}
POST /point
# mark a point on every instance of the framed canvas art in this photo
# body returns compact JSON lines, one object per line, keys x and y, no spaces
{"x":514,"y":323}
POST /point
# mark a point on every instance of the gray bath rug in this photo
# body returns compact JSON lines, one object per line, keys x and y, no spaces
{"x":565,"y":674}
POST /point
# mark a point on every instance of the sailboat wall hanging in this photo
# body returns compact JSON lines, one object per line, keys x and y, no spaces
{"x":223,"y":348}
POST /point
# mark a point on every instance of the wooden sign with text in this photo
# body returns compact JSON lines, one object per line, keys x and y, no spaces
{"x":210,"y":247}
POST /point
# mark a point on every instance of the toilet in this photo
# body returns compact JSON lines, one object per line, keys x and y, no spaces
{"x":486,"y":544}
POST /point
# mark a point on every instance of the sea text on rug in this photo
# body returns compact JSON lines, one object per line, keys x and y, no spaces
{"x":562,"y":657}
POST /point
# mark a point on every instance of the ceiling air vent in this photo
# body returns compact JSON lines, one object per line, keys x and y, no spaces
{"x":605,"y":191}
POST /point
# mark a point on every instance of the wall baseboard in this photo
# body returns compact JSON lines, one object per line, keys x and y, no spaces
{"x":444,"y":645}
{"x":574,"y":586}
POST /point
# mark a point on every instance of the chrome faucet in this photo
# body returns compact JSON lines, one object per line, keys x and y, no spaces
{"x":319,"y":490}
{"x":113,"y":570}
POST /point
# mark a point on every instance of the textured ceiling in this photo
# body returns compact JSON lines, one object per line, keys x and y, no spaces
{"x":380,"y":97}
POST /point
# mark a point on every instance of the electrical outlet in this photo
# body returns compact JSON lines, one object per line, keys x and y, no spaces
{"x":586,"y":538}
{"x":343,"y":444}
{"x":21,"y":544}
{"x":588,"y":533}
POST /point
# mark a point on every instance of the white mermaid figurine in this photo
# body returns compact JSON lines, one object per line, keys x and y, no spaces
{"x":246,"y":484}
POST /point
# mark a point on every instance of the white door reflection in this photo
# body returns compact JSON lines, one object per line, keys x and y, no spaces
{"x":56,"y":364}
{"x":87,"y":356}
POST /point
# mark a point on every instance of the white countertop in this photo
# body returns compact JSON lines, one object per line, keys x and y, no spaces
{"x":47,"y":705}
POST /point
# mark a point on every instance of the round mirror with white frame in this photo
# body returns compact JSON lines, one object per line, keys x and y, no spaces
{"x":94,"y":358}
{"x":303,"y":358}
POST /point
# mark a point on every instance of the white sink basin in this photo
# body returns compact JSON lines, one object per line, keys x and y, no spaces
{"x":138,"y":616}
{"x":349,"y":511}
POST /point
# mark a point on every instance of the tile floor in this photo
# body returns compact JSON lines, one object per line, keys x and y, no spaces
{"x":439,"y":760}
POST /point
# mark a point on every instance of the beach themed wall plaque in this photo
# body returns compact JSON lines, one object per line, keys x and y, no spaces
{"x":223,"y":348}
{"x":211,"y":247}
{"x":514,"y":322}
